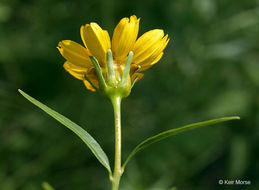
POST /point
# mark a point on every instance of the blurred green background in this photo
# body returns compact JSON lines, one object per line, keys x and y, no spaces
{"x":210,"y":69}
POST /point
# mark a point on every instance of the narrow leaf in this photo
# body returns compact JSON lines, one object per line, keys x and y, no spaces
{"x":79,"y":131}
{"x":171,"y":132}
{"x":47,"y":186}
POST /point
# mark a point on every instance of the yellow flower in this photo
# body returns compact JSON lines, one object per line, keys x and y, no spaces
{"x":147,"y":50}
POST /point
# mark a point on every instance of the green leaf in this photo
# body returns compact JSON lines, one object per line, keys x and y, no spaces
{"x":47,"y":186}
{"x":172,"y":132}
{"x":79,"y":131}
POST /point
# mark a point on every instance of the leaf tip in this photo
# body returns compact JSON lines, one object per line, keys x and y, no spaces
{"x":20,"y":91}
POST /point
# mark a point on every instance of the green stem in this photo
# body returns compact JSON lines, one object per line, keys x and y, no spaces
{"x":116,"y":102}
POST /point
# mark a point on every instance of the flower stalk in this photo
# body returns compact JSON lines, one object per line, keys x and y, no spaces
{"x":116,"y":102}
{"x":115,"y":88}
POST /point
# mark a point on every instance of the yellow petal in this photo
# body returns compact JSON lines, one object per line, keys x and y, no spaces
{"x":75,"y":71}
{"x":75,"y":53}
{"x":124,"y":37}
{"x":80,"y":73}
{"x":88,"y":86}
{"x":147,"y":66}
{"x":91,"y":75}
{"x":134,"y":68}
{"x":97,"y":40}
{"x":149,"y":47}
{"x":82,"y":31}
{"x":135,"y":75}
{"x":77,"y":68}
{"x":155,"y":54}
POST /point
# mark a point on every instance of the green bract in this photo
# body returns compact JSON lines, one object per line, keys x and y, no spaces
{"x":115,"y":84}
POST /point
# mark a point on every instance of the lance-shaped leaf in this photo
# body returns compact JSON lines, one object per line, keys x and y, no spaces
{"x":47,"y":186}
{"x":79,"y":131}
{"x":171,"y":132}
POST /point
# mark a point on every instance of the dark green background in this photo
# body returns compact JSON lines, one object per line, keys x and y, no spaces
{"x":210,"y":69}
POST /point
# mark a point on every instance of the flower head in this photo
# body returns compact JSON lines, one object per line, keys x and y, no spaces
{"x":111,"y":57}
